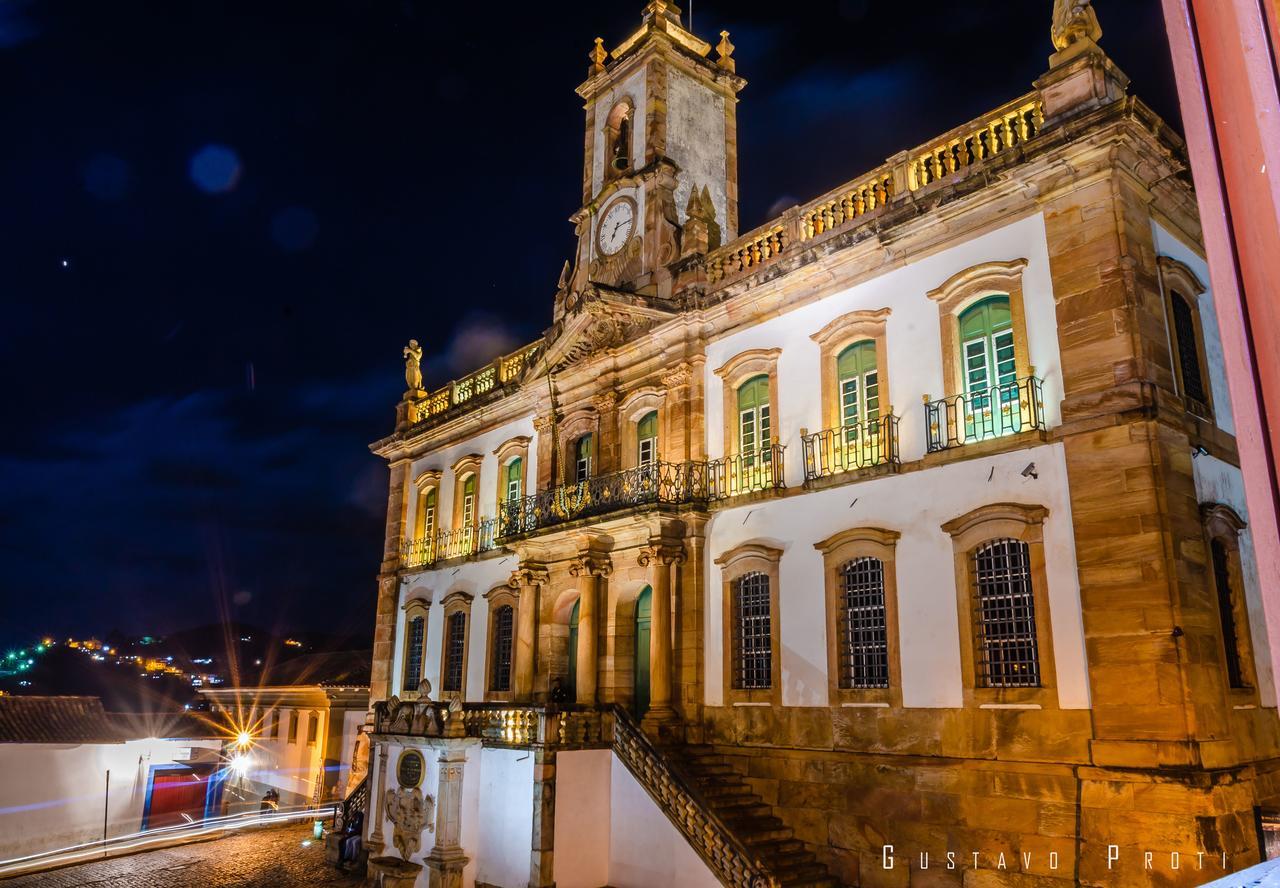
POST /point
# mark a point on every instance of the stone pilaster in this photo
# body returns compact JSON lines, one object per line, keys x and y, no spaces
{"x":660,"y":556}
{"x":374,"y":825}
{"x":446,"y":860}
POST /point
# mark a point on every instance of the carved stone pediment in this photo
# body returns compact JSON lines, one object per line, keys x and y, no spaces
{"x":597,"y":319}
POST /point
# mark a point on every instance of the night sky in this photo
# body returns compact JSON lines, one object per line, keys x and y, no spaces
{"x":220,"y":222}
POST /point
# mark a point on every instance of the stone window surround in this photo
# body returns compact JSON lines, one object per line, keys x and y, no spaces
{"x":1025,"y":523}
{"x":467,"y":465}
{"x":455,"y":602}
{"x":584,"y":421}
{"x":744,"y":559}
{"x":500,"y":596}
{"x":963,"y":289}
{"x":426,"y":482}
{"x":634,"y":407}
{"x":1175,"y":277}
{"x":1223,"y":524}
{"x":733,"y":373}
{"x":834,"y":338}
{"x":418,"y":606}
{"x":837,"y":550}
{"x":505,"y":452}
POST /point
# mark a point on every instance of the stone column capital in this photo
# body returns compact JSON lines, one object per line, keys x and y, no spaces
{"x":529,"y":574}
{"x":591,"y":564}
{"x":661,"y":552}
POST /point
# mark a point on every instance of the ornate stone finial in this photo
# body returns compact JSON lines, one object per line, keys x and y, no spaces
{"x":413,"y":366}
{"x":597,"y":56}
{"x":1074,"y":21}
{"x":725,"y":50}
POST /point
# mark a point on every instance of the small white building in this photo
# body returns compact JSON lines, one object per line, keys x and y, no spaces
{"x":73,"y":773}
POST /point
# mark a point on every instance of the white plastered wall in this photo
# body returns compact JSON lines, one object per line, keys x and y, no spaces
{"x":696,"y":141}
{"x":635,"y":88}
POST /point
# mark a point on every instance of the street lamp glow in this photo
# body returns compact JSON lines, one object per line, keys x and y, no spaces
{"x":240,"y":765}
{"x":243,"y":739}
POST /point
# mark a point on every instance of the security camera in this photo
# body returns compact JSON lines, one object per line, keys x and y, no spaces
{"x":1199,"y":451}
{"x":1030,"y":471}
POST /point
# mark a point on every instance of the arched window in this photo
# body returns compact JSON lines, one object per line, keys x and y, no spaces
{"x":1223,"y":528}
{"x":987,"y":347}
{"x":513,"y":479}
{"x":571,"y":685}
{"x":859,"y":379}
{"x":752,"y":632}
{"x":455,"y":647}
{"x":1008,"y":654}
{"x":647,"y":439}
{"x":501,"y":641}
{"x":755,"y":430}
{"x":582,"y":458}
{"x":644,"y":618}
{"x":617,"y":132}
{"x":426,"y":517}
{"x":469,"y":501}
{"x":415,"y":635}
{"x":863,"y":653}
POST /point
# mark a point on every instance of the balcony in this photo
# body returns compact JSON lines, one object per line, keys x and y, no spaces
{"x":983,"y":415}
{"x":443,"y":544}
{"x":849,"y":448}
{"x":656,"y":483}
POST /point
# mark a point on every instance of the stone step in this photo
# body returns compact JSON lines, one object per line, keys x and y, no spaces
{"x":770,"y":848}
{"x":715,"y":790}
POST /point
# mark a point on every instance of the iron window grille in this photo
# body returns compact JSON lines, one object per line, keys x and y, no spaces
{"x":455,"y":645}
{"x":503,"y":628}
{"x":1227,"y":614}
{"x":413,"y":661}
{"x":752,"y":635}
{"x":1007,"y":654}
{"x":863,"y":630}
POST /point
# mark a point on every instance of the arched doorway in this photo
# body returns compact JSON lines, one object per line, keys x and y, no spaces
{"x":644,"y":608}
{"x":571,"y":685}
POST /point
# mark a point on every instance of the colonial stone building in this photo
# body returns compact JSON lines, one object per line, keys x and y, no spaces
{"x":905,"y":530}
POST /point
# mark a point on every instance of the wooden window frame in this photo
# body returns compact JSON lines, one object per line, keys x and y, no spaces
{"x":1223,"y":525}
{"x":497,"y":597}
{"x":837,"y":550}
{"x":462,"y":469}
{"x":1024,"y":523}
{"x":734,"y":564}
{"x":426,"y":483}
{"x":1177,"y":280}
{"x":846,"y":330}
{"x":733,"y":373}
{"x":454,"y":603}
{"x":582,"y":422}
{"x":512,"y":448}
{"x":962,"y":290}
{"x":635,"y":407}
{"x":414,"y":608}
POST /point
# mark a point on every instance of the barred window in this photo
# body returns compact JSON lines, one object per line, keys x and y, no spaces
{"x":500,"y":664}
{"x":455,"y":646}
{"x":1184,"y":333}
{"x":752,"y":635}
{"x":1227,"y":613}
{"x":863,"y":629}
{"x":1007,"y":654}
{"x":413,"y":657}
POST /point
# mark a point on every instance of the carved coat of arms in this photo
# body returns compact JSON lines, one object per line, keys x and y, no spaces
{"x":410,"y":812}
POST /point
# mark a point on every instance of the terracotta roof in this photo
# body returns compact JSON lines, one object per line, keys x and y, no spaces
{"x":56,"y":720}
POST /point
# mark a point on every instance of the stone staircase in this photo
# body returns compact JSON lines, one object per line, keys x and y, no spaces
{"x":752,"y":821}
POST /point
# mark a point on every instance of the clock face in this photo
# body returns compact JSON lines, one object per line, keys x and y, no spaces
{"x":615,"y":226}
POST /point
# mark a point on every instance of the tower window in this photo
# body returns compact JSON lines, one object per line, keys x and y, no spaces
{"x":1184,"y":335}
{"x":1227,"y":613}
{"x":618,"y":140}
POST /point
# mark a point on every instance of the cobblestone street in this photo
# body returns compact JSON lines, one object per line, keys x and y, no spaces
{"x":271,"y":858}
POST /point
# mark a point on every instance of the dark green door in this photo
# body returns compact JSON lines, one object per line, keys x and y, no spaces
{"x":644,"y":606}
{"x":571,"y":686}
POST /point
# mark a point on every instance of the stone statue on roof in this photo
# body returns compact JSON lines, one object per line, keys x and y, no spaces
{"x":1073,"y":21}
{"x":413,"y":365}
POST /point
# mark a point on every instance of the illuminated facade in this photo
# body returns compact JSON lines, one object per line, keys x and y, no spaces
{"x":912,"y":517}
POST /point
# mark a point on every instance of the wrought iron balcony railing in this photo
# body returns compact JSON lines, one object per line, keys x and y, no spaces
{"x":748,"y":472}
{"x":858,"y":446}
{"x":990,"y":413}
{"x":653,"y":483}
{"x":458,"y":543}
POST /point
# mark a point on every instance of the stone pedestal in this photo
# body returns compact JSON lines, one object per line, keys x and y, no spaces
{"x":392,"y":872}
{"x":444,"y":868}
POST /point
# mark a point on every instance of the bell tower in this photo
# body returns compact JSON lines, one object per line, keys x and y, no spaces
{"x":661,"y":146}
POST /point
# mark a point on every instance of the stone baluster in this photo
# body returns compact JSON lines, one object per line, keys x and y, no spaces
{"x":659,"y":556}
{"x":528,"y":579}
{"x":592,"y":569}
